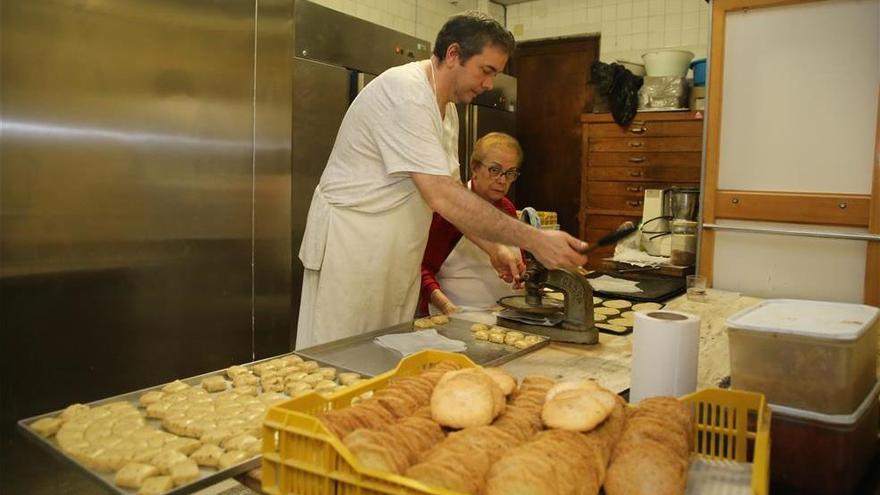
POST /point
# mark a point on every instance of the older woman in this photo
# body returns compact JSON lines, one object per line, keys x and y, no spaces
{"x":456,"y":274}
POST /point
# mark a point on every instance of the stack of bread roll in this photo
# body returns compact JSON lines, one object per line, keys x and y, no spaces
{"x":652,"y":454}
{"x":462,"y":461}
{"x":401,"y":398}
{"x":475,"y":431}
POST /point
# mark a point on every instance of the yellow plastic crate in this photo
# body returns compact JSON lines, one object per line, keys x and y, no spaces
{"x":302,"y":457}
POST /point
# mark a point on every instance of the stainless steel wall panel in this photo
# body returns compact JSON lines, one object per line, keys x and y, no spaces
{"x":144,"y":200}
{"x":332,"y":37}
{"x":274,"y":254}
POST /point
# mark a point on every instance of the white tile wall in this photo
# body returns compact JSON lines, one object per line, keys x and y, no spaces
{"x":420,"y":18}
{"x":628,"y":28}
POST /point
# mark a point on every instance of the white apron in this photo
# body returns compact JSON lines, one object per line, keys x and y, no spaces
{"x":362,"y":265}
{"x":469,"y":280}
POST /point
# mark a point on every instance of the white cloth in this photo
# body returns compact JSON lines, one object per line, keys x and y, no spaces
{"x":469,"y":280}
{"x":367,"y":225}
{"x":413,"y":342}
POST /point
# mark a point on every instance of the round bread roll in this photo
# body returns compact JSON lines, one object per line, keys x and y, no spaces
{"x":570,"y":385}
{"x":347,"y":378}
{"x":496,"y":337}
{"x":512,"y":337}
{"x":503,"y":379}
{"x":522,"y":344}
{"x":497,"y":329}
{"x":466,"y":398}
{"x":481,"y":335}
{"x":476,"y":327}
{"x":440,"y":319}
{"x":533,"y":339}
{"x":423,"y":323}
{"x":617,"y":304}
{"x":578,"y":410}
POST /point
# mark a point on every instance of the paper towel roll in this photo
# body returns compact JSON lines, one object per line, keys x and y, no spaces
{"x":665,"y":348}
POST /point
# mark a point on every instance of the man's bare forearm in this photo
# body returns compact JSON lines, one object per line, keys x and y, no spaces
{"x":475,"y":217}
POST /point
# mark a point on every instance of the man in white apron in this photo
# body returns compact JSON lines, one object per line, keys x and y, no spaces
{"x":393,"y":162}
{"x":457,"y":275}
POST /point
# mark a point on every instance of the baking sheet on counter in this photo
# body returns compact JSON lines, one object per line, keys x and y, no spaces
{"x":360,"y":354}
{"x":208,"y":476}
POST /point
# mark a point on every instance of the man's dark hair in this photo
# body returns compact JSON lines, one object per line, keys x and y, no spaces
{"x":472,"y":31}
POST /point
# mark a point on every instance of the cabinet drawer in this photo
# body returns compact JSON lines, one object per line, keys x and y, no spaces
{"x":642,"y":128}
{"x":647,"y":144}
{"x":670,"y":159}
{"x":641,"y":174}
{"x":605,"y":223}
{"x":615,"y":202}
{"x":629,"y":189}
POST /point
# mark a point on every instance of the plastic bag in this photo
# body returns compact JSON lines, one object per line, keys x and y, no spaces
{"x":620,"y":87}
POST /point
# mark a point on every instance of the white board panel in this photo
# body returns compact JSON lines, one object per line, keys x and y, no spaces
{"x":777,"y":266}
{"x":800,"y":97}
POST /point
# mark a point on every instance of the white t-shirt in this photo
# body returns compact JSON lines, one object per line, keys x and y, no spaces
{"x":392,"y":128}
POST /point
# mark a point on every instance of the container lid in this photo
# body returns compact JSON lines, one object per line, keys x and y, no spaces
{"x":836,"y":419}
{"x":819,"y":319}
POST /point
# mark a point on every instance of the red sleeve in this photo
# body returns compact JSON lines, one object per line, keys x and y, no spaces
{"x":442,"y":239}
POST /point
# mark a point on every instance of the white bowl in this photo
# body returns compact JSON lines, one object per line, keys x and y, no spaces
{"x":636,"y":69}
{"x":667,"y":62}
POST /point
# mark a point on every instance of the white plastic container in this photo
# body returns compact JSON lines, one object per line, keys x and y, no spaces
{"x":811,"y":355}
{"x":674,"y":63}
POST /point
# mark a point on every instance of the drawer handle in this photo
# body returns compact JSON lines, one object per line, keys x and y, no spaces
{"x":634,"y":189}
{"x":636,"y":144}
{"x":635,"y":173}
{"x":637,"y":159}
{"x":634,"y":203}
{"x":638,"y":130}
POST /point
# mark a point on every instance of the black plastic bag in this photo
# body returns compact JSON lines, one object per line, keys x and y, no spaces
{"x":620,"y":87}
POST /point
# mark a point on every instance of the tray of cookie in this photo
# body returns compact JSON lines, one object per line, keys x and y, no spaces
{"x":487,"y":345}
{"x":185,"y":435}
{"x":439,"y":425}
{"x":617,"y":316}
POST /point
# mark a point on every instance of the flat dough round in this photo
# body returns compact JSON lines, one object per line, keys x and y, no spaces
{"x":617,"y":303}
{"x":629,"y":315}
{"x":606,"y":311}
{"x":423,"y":323}
{"x":599,"y":317}
{"x":648,"y":306}
{"x":613,"y":328}
{"x":623,"y":322}
{"x":597,"y":300}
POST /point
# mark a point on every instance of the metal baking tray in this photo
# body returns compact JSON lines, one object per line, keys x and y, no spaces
{"x":360,"y":354}
{"x":208,"y":476}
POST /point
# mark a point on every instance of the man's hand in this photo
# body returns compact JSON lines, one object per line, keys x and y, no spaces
{"x":556,"y":249}
{"x":507,"y":263}
{"x":441,"y":302}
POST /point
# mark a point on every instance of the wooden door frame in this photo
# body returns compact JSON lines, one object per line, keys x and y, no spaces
{"x":859,"y":210}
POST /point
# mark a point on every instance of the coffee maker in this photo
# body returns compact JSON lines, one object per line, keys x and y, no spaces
{"x":663,"y":208}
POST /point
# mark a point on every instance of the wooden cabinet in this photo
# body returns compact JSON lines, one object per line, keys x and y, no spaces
{"x":657,"y":150}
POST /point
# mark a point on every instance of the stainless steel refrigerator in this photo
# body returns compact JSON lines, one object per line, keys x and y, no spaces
{"x":335,"y":56}
{"x":492,"y":111}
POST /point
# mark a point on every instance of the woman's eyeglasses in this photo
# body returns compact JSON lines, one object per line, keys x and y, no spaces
{"x":495,"y":171}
